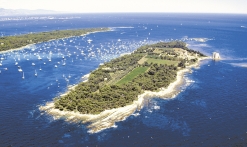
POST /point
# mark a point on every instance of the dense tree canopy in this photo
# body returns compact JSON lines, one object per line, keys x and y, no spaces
{"x":102,"y":92}
{"x":13,"y":42}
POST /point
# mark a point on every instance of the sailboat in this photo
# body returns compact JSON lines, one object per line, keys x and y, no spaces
{"x":19,"y":69}
{"x":36,"y":74}
{"x":64,"y":63}
{"x":40,"y":68}
{"x":23,"y":77}
{"x":39,"y":57}
{"x":89,"y":40}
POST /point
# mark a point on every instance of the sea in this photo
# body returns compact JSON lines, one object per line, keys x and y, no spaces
{"x":210,"y":110}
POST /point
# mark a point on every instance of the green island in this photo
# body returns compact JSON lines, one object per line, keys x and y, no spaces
{"x":118,"y":82}
{"x":13,"y":42}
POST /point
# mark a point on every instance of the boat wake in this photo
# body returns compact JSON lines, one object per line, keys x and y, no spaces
{"x":239,"y":64}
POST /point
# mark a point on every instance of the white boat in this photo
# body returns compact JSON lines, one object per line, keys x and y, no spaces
{"x":23,"y":77}
{"x":39,"y":58}
{"x":64,"y":63}
{"x":89,"y":40}
{"x":40,"y":68}
{"x":55,"y":66}
{"x":16,"y":63}
{"x":36,"y":74}
{"x":20,"y":70}
{"x":33,"y":64}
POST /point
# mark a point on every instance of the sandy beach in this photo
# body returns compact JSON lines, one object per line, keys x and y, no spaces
{"x":108,"y":118}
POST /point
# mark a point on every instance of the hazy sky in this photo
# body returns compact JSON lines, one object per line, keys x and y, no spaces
{"x":208,"y":6}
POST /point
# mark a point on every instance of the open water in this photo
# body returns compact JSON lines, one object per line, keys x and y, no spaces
{"x":210,"y":111}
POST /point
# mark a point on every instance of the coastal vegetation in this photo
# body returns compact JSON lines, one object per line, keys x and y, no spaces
{"x":13,"y":42}
{"x":118,"y":82}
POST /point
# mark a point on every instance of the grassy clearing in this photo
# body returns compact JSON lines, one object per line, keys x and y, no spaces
{"x":166,"y":49}
{"x":160,"y":61}
{"x":143,"y":59}
{"x":130,"y":76}
{"x":157,"y":51}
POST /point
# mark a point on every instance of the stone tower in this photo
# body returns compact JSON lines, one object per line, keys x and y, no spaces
{"x":216,"y":56}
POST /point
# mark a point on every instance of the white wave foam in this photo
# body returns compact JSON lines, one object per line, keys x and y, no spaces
{"x":187,"y":80}
{"x":135,"y":114}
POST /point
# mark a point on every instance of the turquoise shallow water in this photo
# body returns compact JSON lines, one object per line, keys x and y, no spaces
{"x":210,"y":110}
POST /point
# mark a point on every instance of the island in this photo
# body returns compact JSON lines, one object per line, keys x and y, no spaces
{"x":116,"y":88}
{"x":18,"y":41}
{"x":118,"y":82}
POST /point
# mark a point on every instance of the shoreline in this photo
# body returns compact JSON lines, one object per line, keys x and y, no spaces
{"x":108,"y":118}
{"x":26,"y":46}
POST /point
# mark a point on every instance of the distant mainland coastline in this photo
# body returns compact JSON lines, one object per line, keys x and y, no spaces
{"x":117,"y":88}
{"x":14,"y":42}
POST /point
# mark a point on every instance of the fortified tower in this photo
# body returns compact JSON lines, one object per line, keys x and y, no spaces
{"x":216,"y":56}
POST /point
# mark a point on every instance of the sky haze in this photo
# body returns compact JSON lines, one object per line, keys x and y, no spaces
{"x":98,"y":6}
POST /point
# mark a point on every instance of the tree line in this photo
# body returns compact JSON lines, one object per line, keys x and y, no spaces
{"x":13,"y":42}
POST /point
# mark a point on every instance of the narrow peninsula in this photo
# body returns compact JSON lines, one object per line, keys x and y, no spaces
{"x":14,"y":42}
{"x":115,"y":86}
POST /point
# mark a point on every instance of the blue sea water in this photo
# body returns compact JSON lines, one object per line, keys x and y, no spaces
{"x":210,"y":111}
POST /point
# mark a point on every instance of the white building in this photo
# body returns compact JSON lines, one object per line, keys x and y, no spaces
{"x":216,"y":56}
